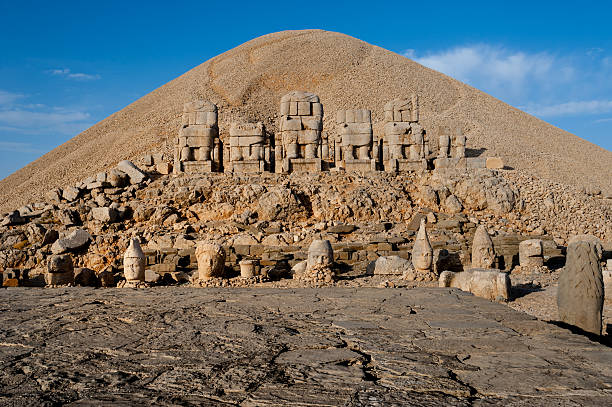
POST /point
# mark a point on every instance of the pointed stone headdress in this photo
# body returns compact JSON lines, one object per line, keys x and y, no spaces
{"x":421,"y":251}
{"x":483,"y":254}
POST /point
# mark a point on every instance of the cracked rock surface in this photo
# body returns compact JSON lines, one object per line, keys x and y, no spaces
{"x":288,"y":347}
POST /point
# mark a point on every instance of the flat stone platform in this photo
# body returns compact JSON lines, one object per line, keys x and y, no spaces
{"x":288,"y":347}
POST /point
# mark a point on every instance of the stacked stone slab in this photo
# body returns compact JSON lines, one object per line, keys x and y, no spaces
{"x":249,"y":150}
{"x":405,"y":147}
{"x":355,"y":150}
{"x":299,"y":145}
{"x":451,"y":152}
{"x":198,"y":144}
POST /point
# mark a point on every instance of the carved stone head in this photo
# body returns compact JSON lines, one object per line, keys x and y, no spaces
{"x":211,"y":260}
{"x":320,"y":254}
{"x":422,"y":253}
{"x":483,"y":254}
{"x":134,"y":262}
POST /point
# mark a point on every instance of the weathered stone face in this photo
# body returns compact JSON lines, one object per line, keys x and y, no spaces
{"x":491,"y":284}
{"x":134,"y":262}
{"x":60,"y":270}
{"x":211,"y":260}
{"x":483,"y":254}
{"x":581,"y":292}
{"x":530,"y":253}
{"x":422,"y":253}
{"x":320,"y":254}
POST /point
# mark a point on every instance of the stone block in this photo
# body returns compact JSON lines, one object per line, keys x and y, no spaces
{"x":495,"y":163}
{"x":133,"y":172}
{"x":164,"y":168}
{"x":487,"y":283}
{"x":74,"y":241}
{"x":71,"y":193}
{"x":105,"y":214}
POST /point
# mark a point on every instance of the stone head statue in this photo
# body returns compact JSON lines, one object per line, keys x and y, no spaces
{"x":483,"y":254}
{"x":422,"y":253}
{"x":211,"y":260}
{"x":134,"y":262}
{"x":320,"y":254}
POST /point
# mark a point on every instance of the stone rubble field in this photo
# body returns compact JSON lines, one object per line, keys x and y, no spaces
{"x":288,"y":347}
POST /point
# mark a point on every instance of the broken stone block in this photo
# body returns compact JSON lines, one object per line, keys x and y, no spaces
{"x":164,"y":168}
{"x":60,"y":270}
{"x":389,"y":265}
{"x":70,"y":193}
{"x":490,"y":284}
{"x":531,"y":253}
{"x":85,"y":277}
{"x":118,"y":178}
{"x":105,"y":214}
{"x":495,"y":163}
{"x":55,"y":195}
{"x":134,"y":173}
{"x":75,"y":240}
{"x":13,"y":218}
{"x":580,"y":294}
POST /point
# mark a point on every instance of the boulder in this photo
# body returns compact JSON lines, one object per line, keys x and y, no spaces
{"x":71,"y":193}
{"x":85,"y":277}
{"x":389,"y":265}
{"x":75,"y":240}
{"x":136,"y":176}
{"x":68,"y":217}
{"x":105,"y":214}
{"x":13,"y":218}
{"x":580,"y":294}
{"x":487,"y":283}
{"x":118,"y":178}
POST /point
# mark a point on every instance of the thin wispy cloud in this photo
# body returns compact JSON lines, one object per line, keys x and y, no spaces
{"x":589,"y":107}
{"x":9,"y":97}
{"x":542,"y":83}
{"x":79,"y":76}
{"x":37,"y":118}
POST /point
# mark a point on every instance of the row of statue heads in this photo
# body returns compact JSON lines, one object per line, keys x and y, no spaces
{"x":299,"y":144}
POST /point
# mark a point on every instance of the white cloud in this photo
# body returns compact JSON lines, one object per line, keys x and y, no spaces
{"x":37,"y":118}
{"x":542,"y":83}
{"x":79,"y":76}
{"x":588,"y":107}
{"x":6,"y":98}
{"x":495,"y":69}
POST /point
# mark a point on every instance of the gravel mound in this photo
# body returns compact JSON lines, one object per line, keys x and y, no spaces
{"x":247,"y":83}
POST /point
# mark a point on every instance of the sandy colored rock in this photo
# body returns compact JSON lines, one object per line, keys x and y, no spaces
{"x":211,"y":260}
{"x":581,"y":288}
{"x":531,"y":253}
{"x":74,"y":241}
{"x":486,"y":283}
{"x":483,"y":254}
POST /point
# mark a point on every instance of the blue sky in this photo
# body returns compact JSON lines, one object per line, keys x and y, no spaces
{"x":66,"y":65}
